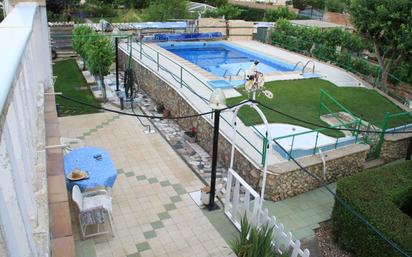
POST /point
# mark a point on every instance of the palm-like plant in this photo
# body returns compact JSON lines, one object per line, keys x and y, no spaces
{"x":254,"y":241}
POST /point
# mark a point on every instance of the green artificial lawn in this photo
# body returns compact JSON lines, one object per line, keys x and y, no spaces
{"x":301,"y":99}
{"x":71,"y":83}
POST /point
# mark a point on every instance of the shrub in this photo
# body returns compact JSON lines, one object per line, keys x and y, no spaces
{"x":229,"y":11}
{"x":253,"y":241}
{"x":379,"y":195}
{"x":280,"y":13}
{"x":251,"y":14}
{"x":163,"y":10}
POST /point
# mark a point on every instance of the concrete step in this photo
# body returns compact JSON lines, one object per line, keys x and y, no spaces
{"x":373,"y":164}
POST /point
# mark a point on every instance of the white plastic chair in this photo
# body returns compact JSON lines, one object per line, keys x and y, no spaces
{"x":92,"y":203}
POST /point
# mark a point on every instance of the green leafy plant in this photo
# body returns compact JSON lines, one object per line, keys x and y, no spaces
{"x":81,"y":36}
{"x":280,"y":13}
{"x":99,"y":58}
{"x":228,"y":11}
{"x":254,"y":241}
{"x":380,"y":195}
{"x":163,"y":10}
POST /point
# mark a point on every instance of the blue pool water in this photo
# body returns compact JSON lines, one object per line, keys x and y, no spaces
{"x":223,"y":59}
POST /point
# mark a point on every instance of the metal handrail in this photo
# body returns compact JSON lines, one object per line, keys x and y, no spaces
{"x":307,"y":63}
{"x":296,"y":65}
{"x":187,"y":86}
{"x":224,"y":74}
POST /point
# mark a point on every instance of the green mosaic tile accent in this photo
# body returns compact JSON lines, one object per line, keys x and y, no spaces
{"x":165,"y":183}
{"x":120,"y":171}
{"x":153,"y":180}
{"x":85,"y":248}
{"x":157,"y":224}
{"x":129,"y":174}
{"x":141,"y":247}
{"x":175,"y":199}
{"x":170,"y":206}
{"x":149,"y":234}
{"x":141,"y":177}
{"x":179,"y":189}
{"x":100,"y":126}
{"x":163,"y":215}
{"x":134,"y":255}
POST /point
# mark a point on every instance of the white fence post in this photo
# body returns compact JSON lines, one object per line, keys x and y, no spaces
{"x":282,"y":242}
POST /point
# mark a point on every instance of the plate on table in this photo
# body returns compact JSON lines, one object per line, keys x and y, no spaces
{"x":77,"y":174}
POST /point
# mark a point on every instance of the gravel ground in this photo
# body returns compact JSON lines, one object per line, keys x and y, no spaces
{"x":327,"y":246}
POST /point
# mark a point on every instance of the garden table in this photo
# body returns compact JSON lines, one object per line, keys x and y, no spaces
{"x":101,"y":171}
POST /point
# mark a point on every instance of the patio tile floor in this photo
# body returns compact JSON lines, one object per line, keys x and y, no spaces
{"x":152,"y":210}
{"x":303,"y":213}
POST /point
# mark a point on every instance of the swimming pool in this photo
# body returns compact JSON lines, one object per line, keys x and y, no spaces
{"x":224,"y":59}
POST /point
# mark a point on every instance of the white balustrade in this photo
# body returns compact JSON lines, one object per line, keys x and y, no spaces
{"x":25,"y":71}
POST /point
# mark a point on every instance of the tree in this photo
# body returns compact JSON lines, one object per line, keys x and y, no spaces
{"x":228,"y":11}
{"x":302,"y":4}
{"x":81,"y":36}
{"x":99,"y":58}
{"x":388,"y":24}
{"x":280,"y":13}
{"x":163,"y":10}
{"x":336,"y":5}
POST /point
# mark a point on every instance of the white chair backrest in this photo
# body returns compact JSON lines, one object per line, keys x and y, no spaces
{"x":77,"y":197}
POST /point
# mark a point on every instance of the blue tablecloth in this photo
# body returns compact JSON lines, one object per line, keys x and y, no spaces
{"x":101,"y":172}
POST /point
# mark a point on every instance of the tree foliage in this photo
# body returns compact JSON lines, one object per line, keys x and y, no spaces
{"x":99,"y":58}
{"x":216,"y":3}
{"x":163,"y":10}
{"x":228,"y":11}
{"x":81,"y":36}
{"x":96,"y":50}
{"x":280,"y":13}
{"x":388,"y":24}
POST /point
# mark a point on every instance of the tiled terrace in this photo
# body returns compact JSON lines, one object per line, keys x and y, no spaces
{"x":153,"y":212}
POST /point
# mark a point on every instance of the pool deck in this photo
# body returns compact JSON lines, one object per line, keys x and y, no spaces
{"x":328,"y":72}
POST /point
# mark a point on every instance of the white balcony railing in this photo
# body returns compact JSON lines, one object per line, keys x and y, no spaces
{"x":25,"y":72}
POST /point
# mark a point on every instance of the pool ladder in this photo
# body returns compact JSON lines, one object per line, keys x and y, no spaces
{"x":237,"y":74}
{"x":305,"y":65}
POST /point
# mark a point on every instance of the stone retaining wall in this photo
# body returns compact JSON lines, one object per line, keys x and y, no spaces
{"x":284,"y":180}
{"x":394,"y":147}
{"x":289,"y":180}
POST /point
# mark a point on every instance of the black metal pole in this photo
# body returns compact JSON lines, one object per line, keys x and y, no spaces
{"x":116,"y":43}
{"x":409,"y":152}
{"x":212,"y":205}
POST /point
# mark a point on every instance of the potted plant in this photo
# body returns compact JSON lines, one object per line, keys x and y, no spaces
{"x":204,"y":195}
{"x":190,"y":135}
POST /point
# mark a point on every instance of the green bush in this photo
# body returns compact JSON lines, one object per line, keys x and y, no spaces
{"x":228,"y":11}
{"x":251,"y":14}
{"x":254,"y":242}
{"x":164,"y":10}
{"x":378,"y":195}
{"x":98,"y":10}
{"x":280,"y":13}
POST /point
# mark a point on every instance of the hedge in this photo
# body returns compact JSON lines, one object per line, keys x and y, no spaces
{"x":378,"y":195}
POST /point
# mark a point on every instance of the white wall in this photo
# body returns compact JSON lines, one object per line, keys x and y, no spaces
{"x":26,"y":72}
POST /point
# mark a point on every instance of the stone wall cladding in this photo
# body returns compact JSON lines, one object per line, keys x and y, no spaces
{"x":291,"y":181}
{"x":394,"y":147}
{"x":284,"y":180}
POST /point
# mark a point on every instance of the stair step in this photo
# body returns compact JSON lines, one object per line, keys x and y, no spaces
{"x":373,"y":164}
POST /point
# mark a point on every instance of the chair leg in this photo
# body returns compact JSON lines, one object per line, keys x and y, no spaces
{"x":110,"y":222}
{"x":82,"y":230}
